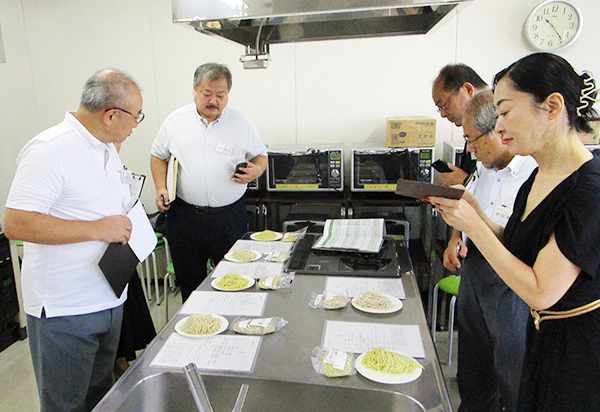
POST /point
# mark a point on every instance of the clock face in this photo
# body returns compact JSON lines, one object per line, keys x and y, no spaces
{"x":553,"y":25}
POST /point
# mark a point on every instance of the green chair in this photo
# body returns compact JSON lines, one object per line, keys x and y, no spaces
{"x":450,"y":285}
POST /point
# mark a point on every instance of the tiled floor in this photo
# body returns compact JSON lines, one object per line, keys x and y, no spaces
{"x":18,"y":392}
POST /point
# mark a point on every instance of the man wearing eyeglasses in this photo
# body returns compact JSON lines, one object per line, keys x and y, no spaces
{"x":67,"y":203}
{"x":454,"y":86}
{"x":209,"y":139}
{"x":491,"y":318}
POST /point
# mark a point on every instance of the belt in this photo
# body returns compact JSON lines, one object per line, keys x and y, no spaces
{"x":206,"y":210}
{"x":539,"y":316}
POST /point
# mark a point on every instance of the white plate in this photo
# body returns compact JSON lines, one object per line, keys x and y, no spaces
{"x":180,"y":323}
{"x":386,"y":377}
{"x":257,"y":255}
{"x":214,"y":282}
{"x":278,"y":236}
{"x":396,"y":305}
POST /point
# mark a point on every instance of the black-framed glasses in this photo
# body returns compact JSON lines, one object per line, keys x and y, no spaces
{"x":472,"y":142}
{"x":137,"y":119}
{"x":442,"y":108}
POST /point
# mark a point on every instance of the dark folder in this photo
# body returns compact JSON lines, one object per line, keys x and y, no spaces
{"x":118,"y":265}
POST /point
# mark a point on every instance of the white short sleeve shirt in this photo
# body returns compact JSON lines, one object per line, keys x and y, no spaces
{"x":496,"y":190}
{"x":67,"y":173}
{"x":207,"y":153}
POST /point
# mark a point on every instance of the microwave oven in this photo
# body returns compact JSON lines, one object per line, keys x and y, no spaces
{"x":378,"y":169}
{"x":305,"y":168}
{"x":453,"y":151}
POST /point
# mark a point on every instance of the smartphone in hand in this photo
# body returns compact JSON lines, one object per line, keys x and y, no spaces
{"x":237,"y":168}
{"x":441,"y":166}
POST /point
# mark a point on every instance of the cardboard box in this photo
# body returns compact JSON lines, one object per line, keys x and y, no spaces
{"x":594,"y":137}
{"x":417,"y":131}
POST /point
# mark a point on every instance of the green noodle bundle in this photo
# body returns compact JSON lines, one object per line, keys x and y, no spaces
{"x":201,"y":325}
{"x":232,"y":281}
{"x":382,"y":360}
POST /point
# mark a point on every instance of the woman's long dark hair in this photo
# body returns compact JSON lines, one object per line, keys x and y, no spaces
{"x":541,"y":74}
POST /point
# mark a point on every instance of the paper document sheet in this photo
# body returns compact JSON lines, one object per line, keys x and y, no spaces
{"x":358,"y":337}
{"x":255,"y":270}
{"x":356,"y":285}
{"x":221,"y":352}
{"x":361,"y":235}
{"x":225,"y":303}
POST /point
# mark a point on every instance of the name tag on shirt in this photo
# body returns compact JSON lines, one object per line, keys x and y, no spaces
{"x":126,"y":177}
{"x":225,"y":148}
{"x":501,"y":215}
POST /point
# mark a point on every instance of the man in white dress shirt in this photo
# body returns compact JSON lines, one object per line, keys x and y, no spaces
{"x":208,"y":139}
{"x":491,"y":318}
{"x":67,"y":203}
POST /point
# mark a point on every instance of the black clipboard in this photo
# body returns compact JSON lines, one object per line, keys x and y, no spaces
{"x":118,"y":265}
{"x":421,"y":190}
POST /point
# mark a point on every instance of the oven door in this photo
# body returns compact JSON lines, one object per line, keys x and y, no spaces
{"x":378,"y":170}
{"x":299,"y":171}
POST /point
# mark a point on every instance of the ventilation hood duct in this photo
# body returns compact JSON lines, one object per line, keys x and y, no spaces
{"x":256,"y":24}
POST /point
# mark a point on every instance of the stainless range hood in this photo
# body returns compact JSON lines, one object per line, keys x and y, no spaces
{"x":258,"y":23}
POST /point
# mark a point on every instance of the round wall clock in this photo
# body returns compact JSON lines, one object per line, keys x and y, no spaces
{"x":553,"y":25}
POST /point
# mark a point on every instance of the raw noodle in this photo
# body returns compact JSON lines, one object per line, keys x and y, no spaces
{"x":265,"y":235}
{"x":244,"y":255}
{"x":372,"y":300}
{"x":382,"y":360}
{"x":232,"y":281}
{"x":201,"y":325}
{"x":336,"y":302}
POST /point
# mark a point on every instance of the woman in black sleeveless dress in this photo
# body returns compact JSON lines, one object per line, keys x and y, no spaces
{"x":549,"y":253}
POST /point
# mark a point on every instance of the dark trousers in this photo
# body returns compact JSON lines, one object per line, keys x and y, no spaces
{"x":195,"y":236}
{"x":491,"y":321}
{"x":73,"y":358}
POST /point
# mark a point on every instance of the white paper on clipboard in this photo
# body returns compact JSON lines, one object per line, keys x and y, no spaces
{"x":172,"y":171}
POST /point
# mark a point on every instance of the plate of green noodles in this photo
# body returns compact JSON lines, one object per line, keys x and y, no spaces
{"x":383,"y":366}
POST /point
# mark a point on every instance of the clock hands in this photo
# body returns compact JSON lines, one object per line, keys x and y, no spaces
{"x":554,"y":28}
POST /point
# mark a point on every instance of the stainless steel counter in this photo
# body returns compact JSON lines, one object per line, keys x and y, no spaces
{"x":283,"y":365}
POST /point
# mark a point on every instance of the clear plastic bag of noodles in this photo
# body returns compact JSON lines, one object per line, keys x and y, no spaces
{"x":328,"y":300}
{"x":293,"y":236}
{"x":333,"y":363}
{"x":275,"y":282}
{"x":257,"y":326}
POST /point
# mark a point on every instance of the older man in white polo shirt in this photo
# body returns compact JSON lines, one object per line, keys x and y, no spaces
{"x":208,"y":139}
{"x":67,"y":202}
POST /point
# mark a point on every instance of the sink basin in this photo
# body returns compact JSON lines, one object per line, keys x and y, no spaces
{"x":169,"y":391}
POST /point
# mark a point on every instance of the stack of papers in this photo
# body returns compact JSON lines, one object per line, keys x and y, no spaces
{"x":355,"y":235}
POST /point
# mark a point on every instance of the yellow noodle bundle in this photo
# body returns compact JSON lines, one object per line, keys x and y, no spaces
{"x":270,"y":282}
{"x":382,"y":360}
{"x":265,"y":235}
{"x":232,"y":281}
{"x":244,"y":255}
{"x":201,"y":325}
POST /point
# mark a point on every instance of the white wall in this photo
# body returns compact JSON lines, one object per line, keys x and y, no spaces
{"x":328,"y":91}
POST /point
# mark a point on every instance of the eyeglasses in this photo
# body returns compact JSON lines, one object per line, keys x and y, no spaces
{"x":442,"y":108}
{"x":137,"y":119}
{"x":472,"y":142}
